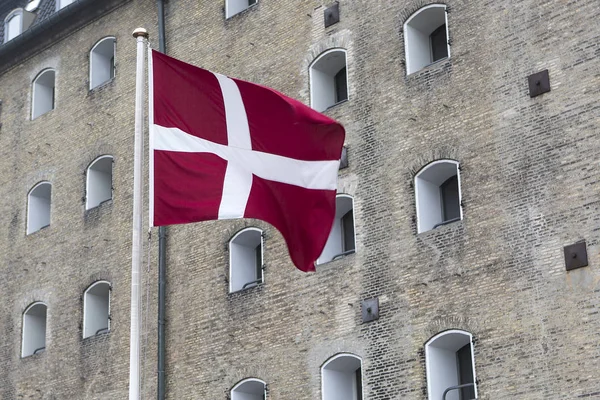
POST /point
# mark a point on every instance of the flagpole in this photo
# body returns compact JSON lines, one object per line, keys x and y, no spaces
{"x":141,"y":36}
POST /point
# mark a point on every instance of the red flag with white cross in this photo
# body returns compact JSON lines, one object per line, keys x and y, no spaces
{"x":223,"y":148}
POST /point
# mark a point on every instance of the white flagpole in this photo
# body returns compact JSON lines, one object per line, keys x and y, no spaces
{"x":141,"y":36}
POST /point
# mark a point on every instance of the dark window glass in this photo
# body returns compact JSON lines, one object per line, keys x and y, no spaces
{"x":258,"y":252}
{"x":465,"y":372}
{"x":348,"y":231}
{"x":251,"y":2}
{"x":341,"y":86}
{"x":112,"y":67}
{"x":450,"y":205}
{"x":439,"y":44}
{"x":359,"y":384}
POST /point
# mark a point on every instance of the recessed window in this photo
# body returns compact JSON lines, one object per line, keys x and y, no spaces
{"x":38,"y":207}
{"x":63,"y":3}
{"x":437,"y":191}
{"x":34,"y":330}
{"x":96,"y":309}
{"x":16,"y":23}
{"x":43,"y":93}
{"x":249,"y":389}
{"x":102,"y":62}
{"x":328,"y":80}
{"x":341,"y":240}
{"x":450,"y":366}
{"x":233,"y":7}
{"x":341,"y":378}
{"x":245,"y":259}
{"x":99,"y":182}
{"x":426,"y":37}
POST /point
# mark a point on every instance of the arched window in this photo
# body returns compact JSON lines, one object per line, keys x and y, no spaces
{"x":245,"y":259}
{"x":426,"y":37}
{"x":450,"y":366}
{"x":96,"y":309}
{"x":437,"y":191}
{"x":43,"y":93}
{"x":341,"y":240}
{"x":233,"y":7}
{"x":249,"y":389}
{"x":341,"y":378}
{"x":16,"y":22}
{"x":99,"y":182}
{"x":62,"y":3}
{"x":328,"y":79}
{"x":102,"y":62}
{"x":34,"y":329}
{"x":38,"y":207}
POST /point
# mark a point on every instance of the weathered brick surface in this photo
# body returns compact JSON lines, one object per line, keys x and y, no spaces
{"x":529,"y":173}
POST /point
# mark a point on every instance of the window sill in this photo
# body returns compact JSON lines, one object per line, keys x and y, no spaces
{"x":335,"y":105}
{"x":101,"y":86}
{"x":247,"y":289}
{"x":442,"y":226}
{"x":429,"y":67}
{"x":338,"y":257}
{"x":39,"y":230}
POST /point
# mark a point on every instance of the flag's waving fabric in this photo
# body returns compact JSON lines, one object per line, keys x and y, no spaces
{"x":223,"y":148}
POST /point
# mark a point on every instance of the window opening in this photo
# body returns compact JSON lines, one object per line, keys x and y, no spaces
{"x":43,"y":93}
{"x":439,"y":44}
{"x":450,"y":366}
{"x":245,"y":259}
{"x":249,"y":389}
{"x":233,"y":7}
{"x":96,"y":309}
{"x":12,"y":27}
{"x":34,"y":330}
{"x":437,"y":192}
{"x":341,"y":86}
{"x":38,"y":207}
{"x":328,"y":79}
{"x":426,"y":37}
{"x":102,"y":62}
{"x":342,"y":240}
{"x":99,"y":182}
{"x":341,"y":378}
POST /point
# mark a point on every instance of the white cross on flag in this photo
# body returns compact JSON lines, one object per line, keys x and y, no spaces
{"x":223,"y":148}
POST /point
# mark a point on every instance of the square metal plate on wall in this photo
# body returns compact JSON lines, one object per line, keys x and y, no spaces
{"x":370,"y":309}
{"x":332,"y":15}
{"x":539,"y":83}
{"x":576,"y":256}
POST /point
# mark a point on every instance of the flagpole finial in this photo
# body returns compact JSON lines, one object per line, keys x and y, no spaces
{"x":140,"y":32}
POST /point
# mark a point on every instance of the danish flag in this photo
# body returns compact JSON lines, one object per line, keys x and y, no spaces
{"x":224,"y":148}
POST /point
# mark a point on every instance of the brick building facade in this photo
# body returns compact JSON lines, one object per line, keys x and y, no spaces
{"x":526,"y":168}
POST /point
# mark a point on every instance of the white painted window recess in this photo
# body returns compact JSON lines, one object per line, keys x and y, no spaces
{"x":249,"y":389}
{"x":245,"y":259}
{"x":38,"y":207}
{"x":342,"y":238}
{"x":34,"y":329}
{"x":43,"y":93}
{"x":233,"y":7}
{"x":99,"y":182}
{"x":341,"y":378}
{"x":426,"y":37}
{"x":438,"y":195}
{"x":102,"y":62}
{"x":96,"y":309}
{"x":328,"y":79}
{"x":450,"y":363}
